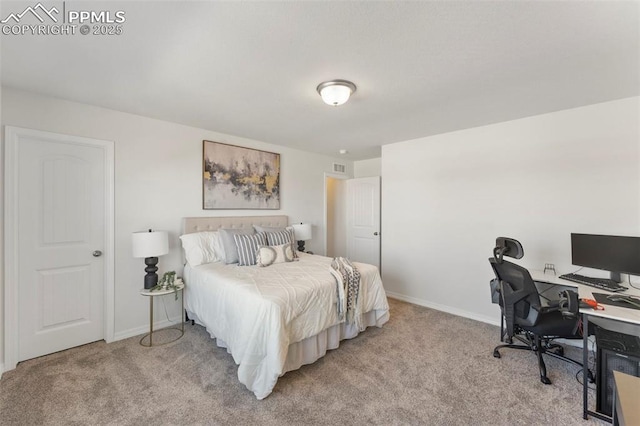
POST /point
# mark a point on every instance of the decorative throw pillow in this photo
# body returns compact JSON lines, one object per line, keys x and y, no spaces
{"x":282,"y":237}
{"x":229,"y":244}
{"x":202,"y":247}
{"x":279,"y":237}
{"x":268,"y":229}
{"x":247,"y":246}
{"x":268,"y":255}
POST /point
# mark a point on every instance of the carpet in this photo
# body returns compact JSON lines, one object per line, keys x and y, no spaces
{"x":424,"y":367}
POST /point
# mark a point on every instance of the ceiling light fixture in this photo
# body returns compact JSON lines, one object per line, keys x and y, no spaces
{"x":336,"y":92}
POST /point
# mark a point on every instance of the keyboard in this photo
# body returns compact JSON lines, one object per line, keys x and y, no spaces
{"x":601,"y":283}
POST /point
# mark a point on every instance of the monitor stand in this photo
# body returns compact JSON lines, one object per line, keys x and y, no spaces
{"x":615,"y":276}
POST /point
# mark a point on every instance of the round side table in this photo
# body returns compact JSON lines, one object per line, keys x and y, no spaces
{"x":151,"y":295}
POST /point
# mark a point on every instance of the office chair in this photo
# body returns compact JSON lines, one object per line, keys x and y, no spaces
{"x":527,"y":321}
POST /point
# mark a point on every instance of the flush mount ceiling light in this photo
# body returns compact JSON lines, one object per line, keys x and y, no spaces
{"x":336,"y":92}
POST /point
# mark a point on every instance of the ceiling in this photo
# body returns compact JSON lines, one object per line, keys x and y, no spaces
{"x":422,"y":68}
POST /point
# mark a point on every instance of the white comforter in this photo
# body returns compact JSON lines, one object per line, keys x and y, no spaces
{"x":258,"y":312}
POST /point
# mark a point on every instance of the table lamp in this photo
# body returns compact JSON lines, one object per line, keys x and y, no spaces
{"x":150,"y":244}
{"x":302,"y":232}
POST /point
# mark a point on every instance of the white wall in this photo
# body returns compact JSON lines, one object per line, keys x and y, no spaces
{"x":367,"y":168}
{"x":158,"y":181}
{"x":446,"y":198}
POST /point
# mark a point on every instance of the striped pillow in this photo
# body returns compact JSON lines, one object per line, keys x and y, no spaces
{"x":282,"y":237}
{"x":248,"y":246}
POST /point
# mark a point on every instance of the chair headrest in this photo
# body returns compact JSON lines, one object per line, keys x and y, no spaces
{"x":507,"y":247}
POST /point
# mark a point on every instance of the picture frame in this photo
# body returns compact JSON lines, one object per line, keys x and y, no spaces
{"x":238,"y":178}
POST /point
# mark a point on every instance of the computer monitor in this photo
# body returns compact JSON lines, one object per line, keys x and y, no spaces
{"x":611,"y":253}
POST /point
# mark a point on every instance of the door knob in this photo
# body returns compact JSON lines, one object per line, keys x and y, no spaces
{"x":97,"y":253}
{"x":375,"y":233}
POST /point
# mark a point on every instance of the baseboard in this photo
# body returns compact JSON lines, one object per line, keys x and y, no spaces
{"x":445,"y":308}
{"x":131,"y":333}
{"x":125,"y":334}
{"x":465,"y":314}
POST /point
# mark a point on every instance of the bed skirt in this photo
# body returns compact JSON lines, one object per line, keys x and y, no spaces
{"x":315,"y":347}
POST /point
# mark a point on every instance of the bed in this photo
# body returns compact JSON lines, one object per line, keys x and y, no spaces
{"x":274,"y":319}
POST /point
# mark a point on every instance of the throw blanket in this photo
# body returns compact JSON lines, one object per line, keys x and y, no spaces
{"x":348,"y":290}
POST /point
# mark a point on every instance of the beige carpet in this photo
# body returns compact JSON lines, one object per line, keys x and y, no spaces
{"x":423,"y":367}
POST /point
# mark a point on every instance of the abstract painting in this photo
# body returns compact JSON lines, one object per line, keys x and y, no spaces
{"x":235,"y":177}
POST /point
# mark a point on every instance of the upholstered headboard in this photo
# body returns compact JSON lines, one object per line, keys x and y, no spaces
{"x":199,"y":224}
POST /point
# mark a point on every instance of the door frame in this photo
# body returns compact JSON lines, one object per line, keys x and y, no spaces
{"x":11,"y":137}
{"x":326,"y":204}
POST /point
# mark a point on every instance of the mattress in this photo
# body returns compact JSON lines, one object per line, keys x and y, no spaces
{"x":270,"y":318}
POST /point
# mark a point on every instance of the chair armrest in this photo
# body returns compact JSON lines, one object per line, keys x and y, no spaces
{"x":569,"y":304}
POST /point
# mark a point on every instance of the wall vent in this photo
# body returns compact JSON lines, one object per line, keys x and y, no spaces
{"x":339,"y":168}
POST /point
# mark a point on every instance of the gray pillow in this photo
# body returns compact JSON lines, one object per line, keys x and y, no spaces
{"x":229,"y":244}
{"x":248,"y":246}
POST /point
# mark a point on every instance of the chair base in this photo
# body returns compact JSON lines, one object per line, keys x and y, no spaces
{"x":540,"y":346}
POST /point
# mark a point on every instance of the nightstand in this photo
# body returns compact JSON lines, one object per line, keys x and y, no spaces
{"x":152,"y":295}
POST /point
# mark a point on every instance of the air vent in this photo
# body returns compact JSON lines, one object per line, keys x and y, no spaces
{"x":339,"y":168}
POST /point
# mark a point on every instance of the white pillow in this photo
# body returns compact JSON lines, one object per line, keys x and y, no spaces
{"x":202,"y":247}
{"x":268,"y":255}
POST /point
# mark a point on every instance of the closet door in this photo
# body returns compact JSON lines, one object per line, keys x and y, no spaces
{"x":59,"y":213}
{"x":363,"y":220}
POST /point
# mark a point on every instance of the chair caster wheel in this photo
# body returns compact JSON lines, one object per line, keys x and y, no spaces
{"x":545,"y":380}
{"x":496,"y":354}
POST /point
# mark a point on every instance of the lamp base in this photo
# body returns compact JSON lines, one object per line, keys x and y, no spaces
{"x":151,"y":279}
{"x":301,"y":246}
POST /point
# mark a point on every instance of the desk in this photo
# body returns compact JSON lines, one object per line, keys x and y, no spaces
{"x":614,"y":313}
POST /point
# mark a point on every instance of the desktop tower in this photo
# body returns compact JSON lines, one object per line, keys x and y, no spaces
{"x":616,"y":352}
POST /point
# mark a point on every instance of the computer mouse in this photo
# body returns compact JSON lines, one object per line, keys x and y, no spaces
{"x":616,"y":297}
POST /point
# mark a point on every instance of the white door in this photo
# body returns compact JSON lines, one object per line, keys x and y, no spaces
{"x":59,"y":219}
{"x":363,"y":220}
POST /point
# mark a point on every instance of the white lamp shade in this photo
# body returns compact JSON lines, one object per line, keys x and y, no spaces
{"x":150,"y":243}
{"x":302,"y":231}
